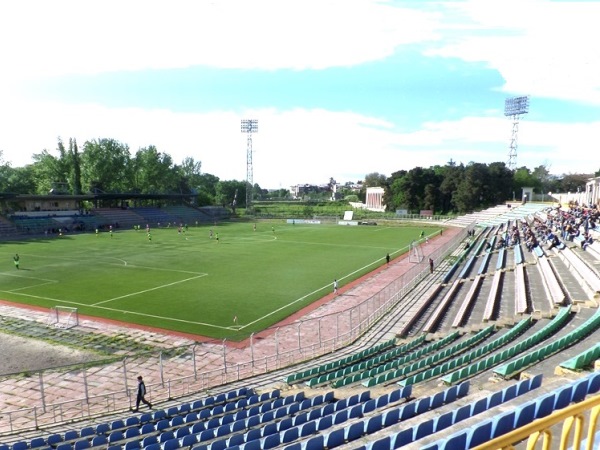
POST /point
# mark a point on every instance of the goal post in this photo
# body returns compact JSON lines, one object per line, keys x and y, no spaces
{"x":415,"y":253}
{"x":63,"y":317}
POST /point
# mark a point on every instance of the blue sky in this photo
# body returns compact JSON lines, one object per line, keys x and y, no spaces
{"x":341,"y":88}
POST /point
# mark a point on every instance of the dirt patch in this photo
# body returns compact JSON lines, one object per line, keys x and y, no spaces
{"x":26,"y":355}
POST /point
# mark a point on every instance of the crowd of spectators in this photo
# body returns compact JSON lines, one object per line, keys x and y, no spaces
{"x":561,"y":225}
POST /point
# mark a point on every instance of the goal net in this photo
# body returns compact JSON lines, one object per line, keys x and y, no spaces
{"x":415,"y":253}
{"x":63,"y":317}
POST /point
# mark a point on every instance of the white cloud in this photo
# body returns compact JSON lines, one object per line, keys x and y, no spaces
{"x":299,"y":145}
{"x":71,"y":36}
{"x":545,"y":49}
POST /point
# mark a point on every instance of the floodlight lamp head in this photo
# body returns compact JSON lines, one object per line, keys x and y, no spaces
{"x":516,"y":106}
{"x":249,"y":126}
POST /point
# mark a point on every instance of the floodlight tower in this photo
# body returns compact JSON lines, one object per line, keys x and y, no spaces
{"x":249,"y":126}
{"x":515,"y":107}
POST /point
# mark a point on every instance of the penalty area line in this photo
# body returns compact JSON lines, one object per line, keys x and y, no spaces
{"x":148,"y":290}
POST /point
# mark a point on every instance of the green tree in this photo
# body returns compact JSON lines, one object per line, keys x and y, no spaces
{"x":226,"y":192}
{"x":574,"y":182}
{"x":523,"y":178}
{"x":154,"y":172}
{"x":498,"y":185}
{"x":105,"y":166}
{"x":451,"y":176}
{"x":75,"y":167}
{"x":52,"y":172}
{"x":17,"y":180}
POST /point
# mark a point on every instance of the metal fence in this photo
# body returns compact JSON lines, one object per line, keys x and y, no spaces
{"x":64,"y":395}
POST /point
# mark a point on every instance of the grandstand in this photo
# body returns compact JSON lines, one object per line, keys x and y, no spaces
{"x":44,"y":223}
{"x":470,"y":356}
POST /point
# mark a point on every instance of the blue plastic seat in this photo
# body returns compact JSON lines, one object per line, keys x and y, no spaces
{"x":115,"y":436}
{"x":324,"y":422}
{"x":271,"y":441}
{"x":479,"y":433}
{"x":373,"y":424}
{"x":463,"y":388}
{"x":457,"y":441}
{"x":382,"y":400}
{"x":290,"y":435}
{"x":385,"y":443}
{"x":525,"y":414}
{"x":391,"y":417}
{"x":307,"y":429}
{"x":423,"y":429}
{"x":563,"y":397}
{"x":270,"y":428}
{"x":450,"y":394}
{"x":354,"y":431}
{"x":166,"y":436}
{"x":479,"y":406}
{"x":87,"y":431}
{"x":254,"y":435}
{"x":132,"y":445}
{"x":408,"y":411}
{"x":495,"y":399}
{"x":221,"y":444}
{"x":369,"y":406}
{"x":149,"y":440}
{"x":444,"y":421}
{"x":82,"y":444}
{"x":423,"y":405}
{"x":99,"y":440}
{"x":503,"y":423}
{"x":580,"y":390}
{"x":402,"y":438}
{"x":437,"y":400}
{"x":462,"y":413}
{"x":315,"y":443}
{"x":340,"y":417}
{"x":37,"y":442}
{"x":509,"y":393}
{"x":117,"y":424}
{"x":594,"y":383}
{"x":335,"y":438}
{"x":236,"y":439}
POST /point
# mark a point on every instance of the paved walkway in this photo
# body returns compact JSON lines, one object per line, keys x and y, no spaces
{"x":200,"y":366}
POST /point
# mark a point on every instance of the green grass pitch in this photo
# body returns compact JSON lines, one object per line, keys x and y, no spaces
{"x":190,"y":283}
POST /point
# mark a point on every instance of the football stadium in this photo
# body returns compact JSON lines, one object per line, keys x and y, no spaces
{"x":479,"y":331}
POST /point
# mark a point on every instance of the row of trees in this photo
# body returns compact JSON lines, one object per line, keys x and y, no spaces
{"x":461,"y":188}
{"x":108,"y":166}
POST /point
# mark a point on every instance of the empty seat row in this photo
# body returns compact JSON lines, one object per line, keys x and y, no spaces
{"x":517,"y":365}
{"x":339,"y":363}
{"x":523,"y":414}
{"x":494,"y":360}
{"x":346,"y":372}
{"x":583,"y":359}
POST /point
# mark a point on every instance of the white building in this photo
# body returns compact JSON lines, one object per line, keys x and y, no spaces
{"x":374,"y":199}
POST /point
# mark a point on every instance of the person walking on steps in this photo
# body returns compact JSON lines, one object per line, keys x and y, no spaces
{"x":141,"y":395}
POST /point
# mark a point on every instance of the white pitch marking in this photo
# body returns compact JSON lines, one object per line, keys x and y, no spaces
{"x":148,"y":290}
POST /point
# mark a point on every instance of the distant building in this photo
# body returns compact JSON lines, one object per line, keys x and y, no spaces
{"x":374,"y":199}
{"x":592,"y":191}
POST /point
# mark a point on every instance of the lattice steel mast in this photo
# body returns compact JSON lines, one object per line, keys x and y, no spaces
{"x":249,"y":126}
{"x":515,"y":107}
